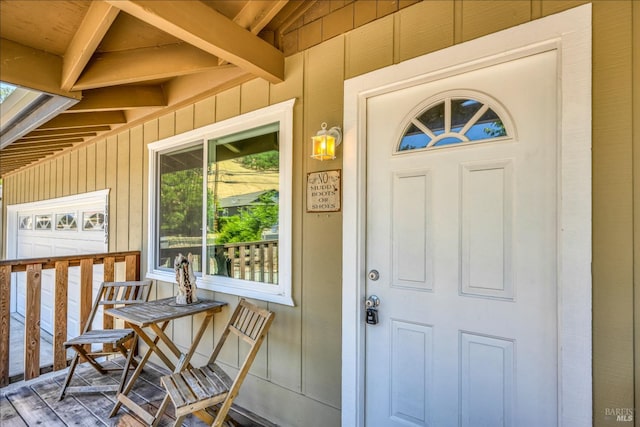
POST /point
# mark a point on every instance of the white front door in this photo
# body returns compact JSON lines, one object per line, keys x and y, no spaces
{"x":463,"y":237}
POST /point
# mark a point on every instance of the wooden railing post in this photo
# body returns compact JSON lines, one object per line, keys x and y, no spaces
{"x":86,"y":291}
{"x":270,"y":249}
{"x":252,"y":262}
{"x":32,"y":322}
{"x":243,"y":261}
{"x":231,"y":254}
{"x":132,"y":266}
{"x":60,"y":321}
{"x":132,"y":272}
{"x":5,"y":319}
{"x":261,"y":264}
{"x":108,"y":276}
{"x":109,"y":269}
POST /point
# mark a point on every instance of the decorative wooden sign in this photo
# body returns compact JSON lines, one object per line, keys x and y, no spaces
{"x":324,"y":191}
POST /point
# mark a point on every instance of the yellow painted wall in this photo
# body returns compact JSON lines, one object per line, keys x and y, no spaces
{"x":613,"y":226}
{"x":296,"y":379}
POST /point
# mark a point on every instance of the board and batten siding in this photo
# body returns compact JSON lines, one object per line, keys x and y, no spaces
{"x":295,"y":380}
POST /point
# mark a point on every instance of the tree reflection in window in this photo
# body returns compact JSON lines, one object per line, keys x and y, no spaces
{"x":93,"y":221}
{"x":26,"y":222}
{"x":66,"y":222}
{"x":243,"y":205}
{"x":180,"y":206}
{"x":452,"y":121}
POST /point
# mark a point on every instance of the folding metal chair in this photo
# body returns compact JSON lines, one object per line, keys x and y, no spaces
{"x":113,"y":340}
{"x":200,"y":390}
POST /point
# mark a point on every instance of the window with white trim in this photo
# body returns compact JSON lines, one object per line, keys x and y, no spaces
{"x":223,"y":194}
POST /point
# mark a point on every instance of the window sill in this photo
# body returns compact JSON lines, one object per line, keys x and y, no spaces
{"x":212,"y":283}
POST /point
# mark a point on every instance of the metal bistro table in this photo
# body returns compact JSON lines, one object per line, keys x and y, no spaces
{"x":156,"y":315}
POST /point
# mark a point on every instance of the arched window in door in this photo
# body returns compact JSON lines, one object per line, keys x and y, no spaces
{"x":455,"y":119}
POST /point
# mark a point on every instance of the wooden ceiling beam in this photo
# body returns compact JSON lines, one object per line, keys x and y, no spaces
{"x":12,"y":159}
{"x":23,"y":141}
{"x":35,"y":146}
{"x":25,"y":160}
{"x":32,"y":68}
{"x":39,"y":148}
{"x":12,"y":163}
{"x":120,"y":98}
{"x":290,"y":14}
{"x":139,"y":65}
{"x":255,"y":15}
{"x":18,"y":163}
{"x":35,"y":155}
{"x":69,"y":132}
{"x":94,"y":26}
{"x":193,"y":21}
{"x":78,"y":120}
{"x":11,"y":167}
{"x":7,"y":168}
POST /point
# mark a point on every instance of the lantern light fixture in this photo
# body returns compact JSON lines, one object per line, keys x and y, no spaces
{"x":324,"y":143}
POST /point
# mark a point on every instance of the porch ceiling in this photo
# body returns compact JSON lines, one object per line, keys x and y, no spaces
{"x":109,"y":63}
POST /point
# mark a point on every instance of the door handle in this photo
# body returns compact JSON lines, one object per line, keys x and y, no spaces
{"x":372,"y":302}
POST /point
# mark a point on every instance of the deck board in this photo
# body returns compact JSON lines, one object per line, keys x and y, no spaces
{"x":35,"y":402}
{"x":32,"y":409}
{"x":98,"y":404}
{"x":69,"y":410}
{"x":8,"y":414}
{"x":144,"y":393}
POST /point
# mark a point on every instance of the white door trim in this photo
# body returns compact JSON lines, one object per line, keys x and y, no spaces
{"x":570,"y":33}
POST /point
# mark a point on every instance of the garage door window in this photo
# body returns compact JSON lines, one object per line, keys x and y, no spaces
{"x":66,"y":222}
{"x":93,"y":221}
{"x":43,"y":222}
{"x":26,"y":222}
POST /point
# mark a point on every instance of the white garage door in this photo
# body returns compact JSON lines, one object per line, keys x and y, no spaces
{"x":65,"y":226}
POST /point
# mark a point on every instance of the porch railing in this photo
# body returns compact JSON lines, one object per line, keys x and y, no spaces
{"x":256,"y":261}
{"x":33,"y":269}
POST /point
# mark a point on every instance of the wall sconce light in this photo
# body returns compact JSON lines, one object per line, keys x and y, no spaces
{"x":324,"y":143}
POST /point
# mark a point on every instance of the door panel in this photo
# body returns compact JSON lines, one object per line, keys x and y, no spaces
{"x":464,"y":240}
{"x":487,"y":216}
{"x":411,"y":252}
{"x":488,"y":380}
{"x":412,"y":346}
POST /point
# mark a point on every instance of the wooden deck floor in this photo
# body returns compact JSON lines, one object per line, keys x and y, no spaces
{"x":35,"y":402}
{"x":16,"y":356}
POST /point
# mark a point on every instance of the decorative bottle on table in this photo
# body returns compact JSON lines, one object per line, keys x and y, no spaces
{"x":186,"y":279}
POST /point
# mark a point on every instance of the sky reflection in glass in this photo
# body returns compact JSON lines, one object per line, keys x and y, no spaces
{"x":452,"y":121}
